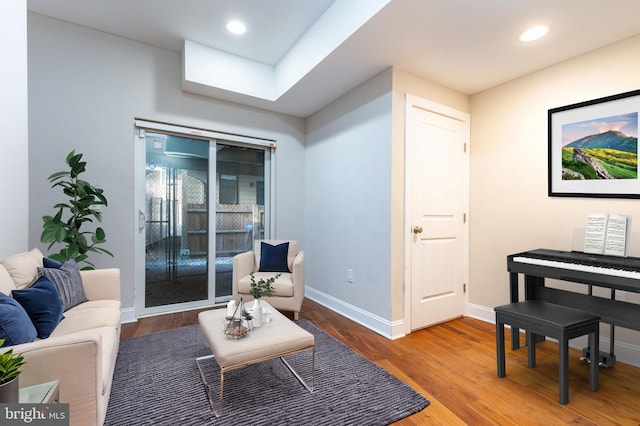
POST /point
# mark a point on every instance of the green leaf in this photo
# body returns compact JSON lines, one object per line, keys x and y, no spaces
{"x":69,"y":156}
{"x":73,"y":158}
{"x":60,"y":234}
{"x":99,"y":236}
{"x":58,"y":175}
{"x":48,"y":235}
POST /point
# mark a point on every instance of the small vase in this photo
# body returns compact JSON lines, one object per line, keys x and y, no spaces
{"x":257,"y":313}
{"x":10,"y":391}
{"x":248,"y":323}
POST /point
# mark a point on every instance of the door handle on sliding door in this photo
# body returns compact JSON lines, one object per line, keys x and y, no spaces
{"x":142,"y":220}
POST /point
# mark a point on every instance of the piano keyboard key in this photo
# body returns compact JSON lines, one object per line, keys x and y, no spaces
{"x":578,"y":267}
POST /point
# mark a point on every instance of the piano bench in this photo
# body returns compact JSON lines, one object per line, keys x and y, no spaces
{"x":556,"y":321}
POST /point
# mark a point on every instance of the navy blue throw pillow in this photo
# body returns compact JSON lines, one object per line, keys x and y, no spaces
{"x":50,"y":263}
{"x":15,"y":326}
{"x":274,"y":258}
{"x":42,"y":303}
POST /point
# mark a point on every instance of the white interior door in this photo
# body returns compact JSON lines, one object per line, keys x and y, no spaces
{"x":437,"y":170}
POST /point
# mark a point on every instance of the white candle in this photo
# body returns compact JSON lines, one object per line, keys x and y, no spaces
{"x":231,"y":307}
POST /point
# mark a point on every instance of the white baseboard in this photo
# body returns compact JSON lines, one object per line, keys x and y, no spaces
{"x":625,"y":352}
{"x":128,"y":315}
{"x":386,"y":328}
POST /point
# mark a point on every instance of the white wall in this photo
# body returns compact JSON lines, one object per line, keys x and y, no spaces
{"x":510,"y":209}
{"x":86,"y":87}
{"x":347,"y":203}
{"x":13,"y":121}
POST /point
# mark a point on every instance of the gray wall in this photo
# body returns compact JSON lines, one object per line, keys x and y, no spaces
{"x":86,"y":87}
{"x":348,"y":197}
{"x":13,"y":121}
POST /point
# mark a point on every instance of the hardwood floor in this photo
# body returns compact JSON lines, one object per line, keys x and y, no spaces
{"x":454,"y":366}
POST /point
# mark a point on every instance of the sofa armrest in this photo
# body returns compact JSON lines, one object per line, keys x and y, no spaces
{"x":76,"y":361}
{"x":242,"y":266}
{"x":101,"y":284}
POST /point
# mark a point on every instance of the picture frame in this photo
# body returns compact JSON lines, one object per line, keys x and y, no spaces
{"x":593,"y":148}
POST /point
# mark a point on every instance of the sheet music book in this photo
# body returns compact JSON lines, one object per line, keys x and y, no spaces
{"x":607,"y":234}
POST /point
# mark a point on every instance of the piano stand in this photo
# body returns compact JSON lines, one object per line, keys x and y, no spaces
{"x":605,"y":359}
{"x":605,"y":272}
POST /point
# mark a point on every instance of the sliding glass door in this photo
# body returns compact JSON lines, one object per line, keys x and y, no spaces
{"x":205,"y":200}
{"x":240,"y":206}
{"x":177,"y":228}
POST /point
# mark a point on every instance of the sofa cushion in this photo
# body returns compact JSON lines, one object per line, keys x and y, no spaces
{"x":15,"y":326}
{"x":67,"y":282}
{"x":87,"y":319}
{"x":42,"y":304}
{"x":283,"y":285}
{"x":6,"y":282}
{"x":273,"y":258}
{"x":93,"y":304}
{"x":23,"y":267}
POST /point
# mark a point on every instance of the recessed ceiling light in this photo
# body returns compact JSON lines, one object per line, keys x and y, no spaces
{"x":236,"y":27}
{"x":534,"y":33}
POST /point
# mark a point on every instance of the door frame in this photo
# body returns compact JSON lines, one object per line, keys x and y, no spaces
{"x":141,"y":126}
{"x":412,"y":101}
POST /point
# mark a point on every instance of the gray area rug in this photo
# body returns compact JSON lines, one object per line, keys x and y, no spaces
{"x":157,"y":382}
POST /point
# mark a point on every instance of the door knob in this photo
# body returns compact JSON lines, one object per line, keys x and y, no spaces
{"x":417,"y":229}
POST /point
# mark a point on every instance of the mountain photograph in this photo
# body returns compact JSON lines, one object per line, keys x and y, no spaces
{"x":608,"y":154}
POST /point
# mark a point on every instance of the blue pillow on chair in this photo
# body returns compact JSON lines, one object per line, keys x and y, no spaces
{"x":15,"y":326}
{"x":274,"y":258}
{"x":42,"y":304}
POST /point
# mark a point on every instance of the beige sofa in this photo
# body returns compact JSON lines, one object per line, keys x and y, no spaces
{"x":81,"y":352}
{"x":289,"y":287}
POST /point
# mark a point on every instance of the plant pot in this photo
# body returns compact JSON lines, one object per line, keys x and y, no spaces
{"x":257,"y":313}
{"x":10,"y":391}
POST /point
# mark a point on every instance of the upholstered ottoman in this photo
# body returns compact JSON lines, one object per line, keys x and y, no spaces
{"x":274,"y":339}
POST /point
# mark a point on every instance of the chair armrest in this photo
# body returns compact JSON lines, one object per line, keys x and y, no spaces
{"x":101,"y":284}
{"x":298,"y":277}
{"x":242,"y":266}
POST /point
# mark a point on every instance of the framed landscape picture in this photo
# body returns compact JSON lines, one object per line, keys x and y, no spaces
{"x":593,"y":148}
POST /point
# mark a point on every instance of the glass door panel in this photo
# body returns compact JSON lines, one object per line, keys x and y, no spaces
{"x":177,"y":226}
{"x":240,"y":207}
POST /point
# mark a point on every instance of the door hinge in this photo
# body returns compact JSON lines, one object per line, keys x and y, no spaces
{"x":465,"y":147}
{"x":464,"y":218}
{"x":464,"y":287}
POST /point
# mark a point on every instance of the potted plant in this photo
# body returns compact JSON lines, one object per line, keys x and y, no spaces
{"x":247,"y":319}
{"x":259,"y":289}
{"x":82,"y":207}
{"x":10,"y":365}
{"x":262,"y":287}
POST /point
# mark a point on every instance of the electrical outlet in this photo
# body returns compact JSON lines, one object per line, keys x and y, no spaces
{"x":349,"y":275}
